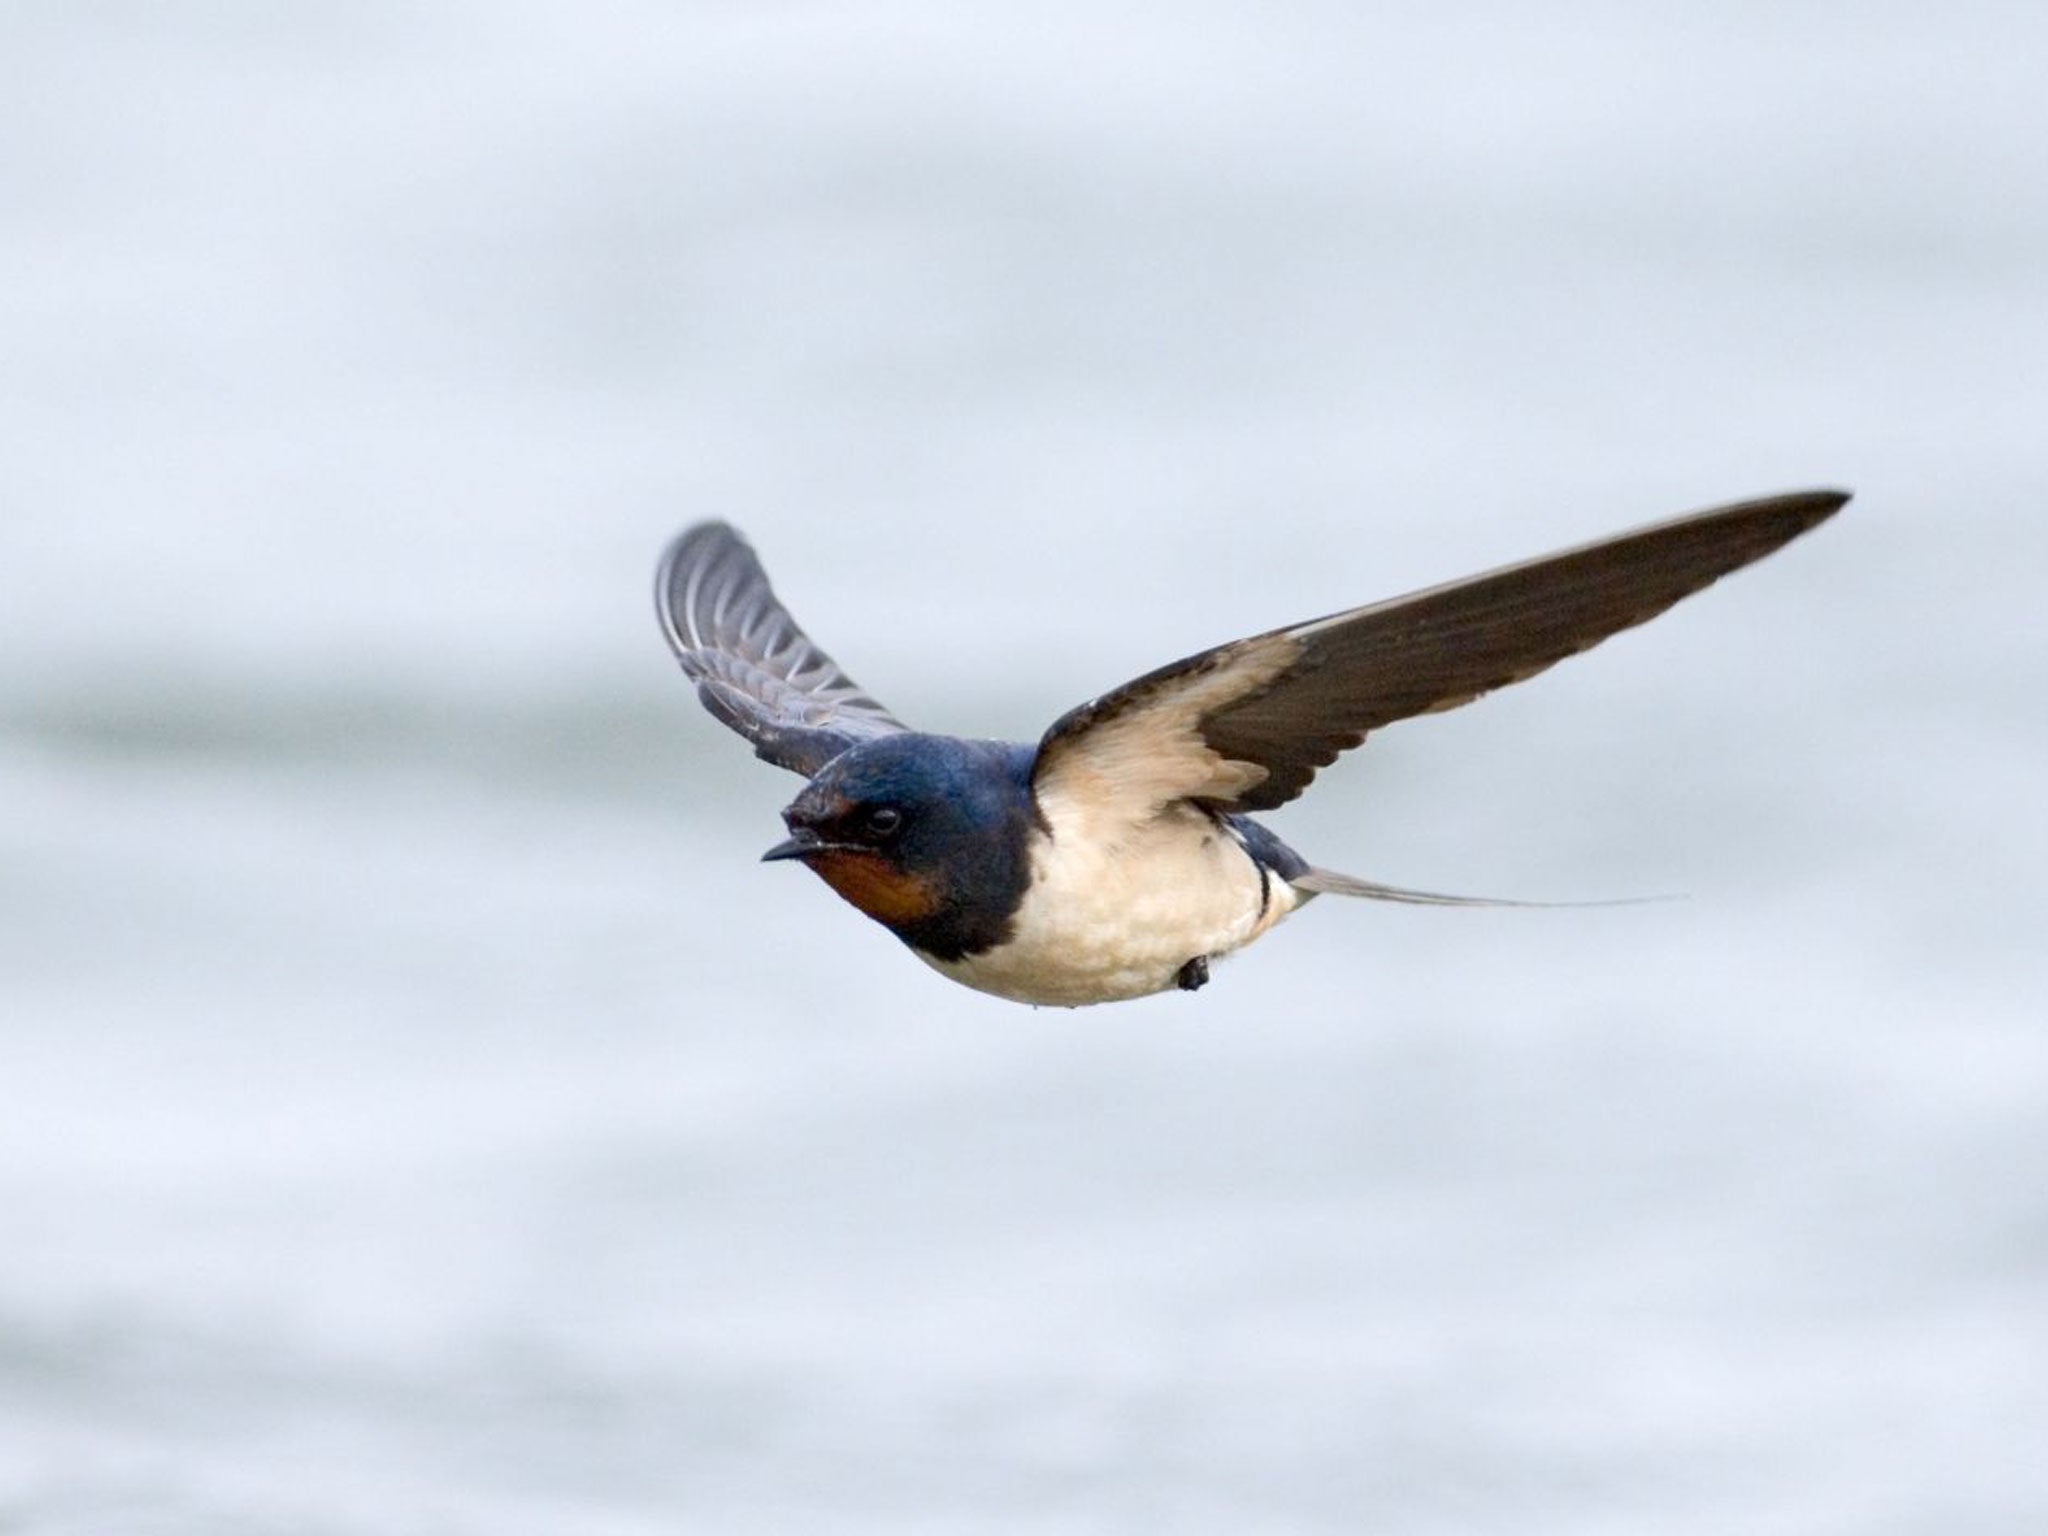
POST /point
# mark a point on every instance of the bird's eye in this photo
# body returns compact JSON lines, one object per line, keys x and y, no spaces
{"x":884,"y":820}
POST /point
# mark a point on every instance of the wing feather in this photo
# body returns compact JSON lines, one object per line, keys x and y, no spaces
{"x":754,"y":668}
{"x":1247,"y":725}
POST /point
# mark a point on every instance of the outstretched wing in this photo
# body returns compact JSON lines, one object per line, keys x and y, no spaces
{"x":753,"y":667}
{"x":1246,"y":725}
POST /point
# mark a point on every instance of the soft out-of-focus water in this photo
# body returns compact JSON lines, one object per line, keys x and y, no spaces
{"x":418,"y":1112}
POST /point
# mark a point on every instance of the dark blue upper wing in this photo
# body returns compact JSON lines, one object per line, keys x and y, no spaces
{"x":753,"y":667}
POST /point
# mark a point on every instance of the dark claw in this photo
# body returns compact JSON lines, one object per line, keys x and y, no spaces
{"x":1194,"y":975}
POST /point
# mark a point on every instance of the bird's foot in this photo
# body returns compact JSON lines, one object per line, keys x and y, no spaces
{"x":1194,"y":975}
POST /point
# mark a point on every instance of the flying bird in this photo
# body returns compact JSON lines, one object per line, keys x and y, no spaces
{"x":1117,"y":856}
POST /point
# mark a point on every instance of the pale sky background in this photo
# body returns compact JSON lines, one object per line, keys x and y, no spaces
{"x":419,"y":1112}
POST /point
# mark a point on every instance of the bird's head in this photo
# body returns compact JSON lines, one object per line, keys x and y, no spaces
{"x":922,"y":833}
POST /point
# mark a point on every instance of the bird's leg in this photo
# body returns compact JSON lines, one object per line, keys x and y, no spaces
{"x":1194,"y":975}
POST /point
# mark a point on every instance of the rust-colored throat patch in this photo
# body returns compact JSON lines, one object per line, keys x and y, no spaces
{"x":876,"y":886}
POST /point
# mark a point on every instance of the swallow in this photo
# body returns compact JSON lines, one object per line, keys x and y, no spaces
{"x":1117,"y":856}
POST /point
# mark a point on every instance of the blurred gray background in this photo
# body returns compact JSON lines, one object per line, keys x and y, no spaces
{"x":419,"y":1112}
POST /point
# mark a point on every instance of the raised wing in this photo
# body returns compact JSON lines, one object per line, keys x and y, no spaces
{"x":754,"y":669}
{"x":1246,"y":725}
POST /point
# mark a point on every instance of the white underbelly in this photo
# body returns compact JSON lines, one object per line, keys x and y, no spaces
{"x":1102,"y":922}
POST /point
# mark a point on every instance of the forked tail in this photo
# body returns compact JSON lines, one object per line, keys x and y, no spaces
{"x":1327,"y":882}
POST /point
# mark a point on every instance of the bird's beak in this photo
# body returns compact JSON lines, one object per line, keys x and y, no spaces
{"x":801,"y":843}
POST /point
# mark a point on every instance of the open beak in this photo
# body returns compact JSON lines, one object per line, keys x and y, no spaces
{"x":801,"y":843}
